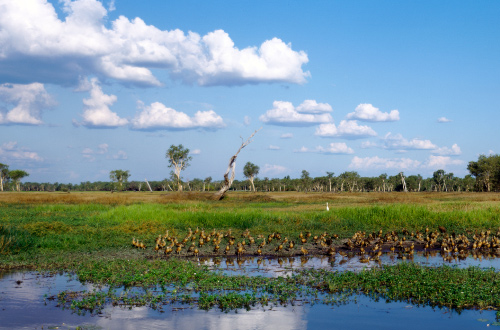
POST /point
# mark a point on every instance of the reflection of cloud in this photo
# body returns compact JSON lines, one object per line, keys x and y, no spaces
{"x":145,"y":318}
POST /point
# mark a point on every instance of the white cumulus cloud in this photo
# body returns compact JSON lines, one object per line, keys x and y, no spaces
{"x":286,"y":136}
{"x":332,"y":148}
{"x":445,"y":151}
{"x":157,"y":116}
{"x":311,"y":106}
{"x":441,"y":162}
{"x":36,"y":44}
{"x":398,"y":142}
{"x":335,"y":148}
{"x":269,"y":169}
{"x":285,"y":114}
{"x":10,"y":151}
{"x":367,"y":112}
{"x":348,"y":129}
{"x":384,"y":163}
{"x":28,"y":102}
{"x":443,"y":120}
{"x":271,"y":147}
{"x":403,"y":164}
{"x":96,"y":112}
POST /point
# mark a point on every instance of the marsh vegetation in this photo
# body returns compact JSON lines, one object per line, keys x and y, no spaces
{"x":98,"y":236}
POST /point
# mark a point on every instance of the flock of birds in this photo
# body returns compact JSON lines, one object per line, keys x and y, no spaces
{"x":368,"y":246}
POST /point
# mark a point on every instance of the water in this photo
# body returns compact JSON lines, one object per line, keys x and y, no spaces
{"x":273,"y":267}
{"x":25,"y":303}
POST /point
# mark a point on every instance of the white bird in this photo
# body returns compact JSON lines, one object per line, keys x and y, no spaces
{"x":327,"y":208}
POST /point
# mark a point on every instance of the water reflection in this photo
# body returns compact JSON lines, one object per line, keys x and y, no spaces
{"x":23,"y":305}
{"x":24,"y":300}
{"x":284,"y":266}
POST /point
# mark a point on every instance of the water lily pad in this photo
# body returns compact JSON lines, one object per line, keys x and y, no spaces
{"x":482,"y":320}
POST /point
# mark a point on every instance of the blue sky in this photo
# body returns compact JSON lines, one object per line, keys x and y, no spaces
{"x":87,"y":87}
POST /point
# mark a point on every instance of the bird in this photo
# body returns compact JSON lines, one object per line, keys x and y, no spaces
{"x":327,"y":208}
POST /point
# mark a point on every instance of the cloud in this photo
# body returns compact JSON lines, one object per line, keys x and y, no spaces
{"x":441,"y":162}
{"x":443,"y":120}
{"x":29,"y":101}
{"x":157,"y":116}
{"x":445,"y":151}
{"x":10,"y":152}
{"x":286,"y":136}
{"x":332,"y":148}
{"x":96,"y":112}
{"x":402,"y":164}
{"x":120,"y":155}
{"x":246,"y":120}
{"x":37,"y":45}
{"x":102,"y":149}
{"x":285,"y":114}
{"x":311,"y":106}
{"x":196,"y":152}
{"x":335,"y":148}
{"x":367,"y":112}
{"x":302,"y":149}
{"x":271,"y":147}
{"x":348,"y":129}
{"x":398,"y":142}
{"x":369,"y":144}
{"x":269,"y":169}
{"x":384,"y":163}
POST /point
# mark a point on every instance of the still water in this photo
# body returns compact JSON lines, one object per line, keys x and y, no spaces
{"x":25,"y":303}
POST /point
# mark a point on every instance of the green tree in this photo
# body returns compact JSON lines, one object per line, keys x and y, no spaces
{"x":487,"y":172}
{"x":250,"y":171}
{"x":16,"y":176}
{"x":4,"y":174}
{"x":206,"y":183}
{"x":119,"y":177}
{"x":305,"y":178}
{"x":439,"y":178}
{"x":178,"y":158}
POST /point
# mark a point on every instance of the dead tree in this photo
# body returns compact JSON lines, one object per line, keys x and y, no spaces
{"x":403,"y":182}
{"x":228,"y":180}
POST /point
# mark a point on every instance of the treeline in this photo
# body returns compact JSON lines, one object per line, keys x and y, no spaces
{"x":484,"y":176}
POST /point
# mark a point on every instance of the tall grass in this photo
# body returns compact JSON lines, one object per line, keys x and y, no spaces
{"x":42,"y":227}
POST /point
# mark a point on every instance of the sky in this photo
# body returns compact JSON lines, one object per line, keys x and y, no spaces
{"x":88,"y":86}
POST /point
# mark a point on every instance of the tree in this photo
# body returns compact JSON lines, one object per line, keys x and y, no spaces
{"x":439,"y":178}
{"x":16,"y":176}
{"x":487,"y":172}
{"x":350,"y":178}
{"x":306,"y":179}
{"x":250,"y":171}
{"x":4,"y":174}
{"x":178,"y":158}
{"x":119,"y":177}
{"x":231,"y":168}
{"x":329,"y":175}
{"x":206,"y":183}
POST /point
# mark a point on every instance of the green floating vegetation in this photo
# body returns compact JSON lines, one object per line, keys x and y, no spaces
{"x":167,"y":282}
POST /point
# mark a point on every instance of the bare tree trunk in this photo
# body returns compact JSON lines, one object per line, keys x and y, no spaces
{"x":228,"y":181}
{"x":151,"y":190}
{"x":403,"y":182}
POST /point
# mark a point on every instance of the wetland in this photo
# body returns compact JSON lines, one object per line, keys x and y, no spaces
{"x":100,"y":260}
